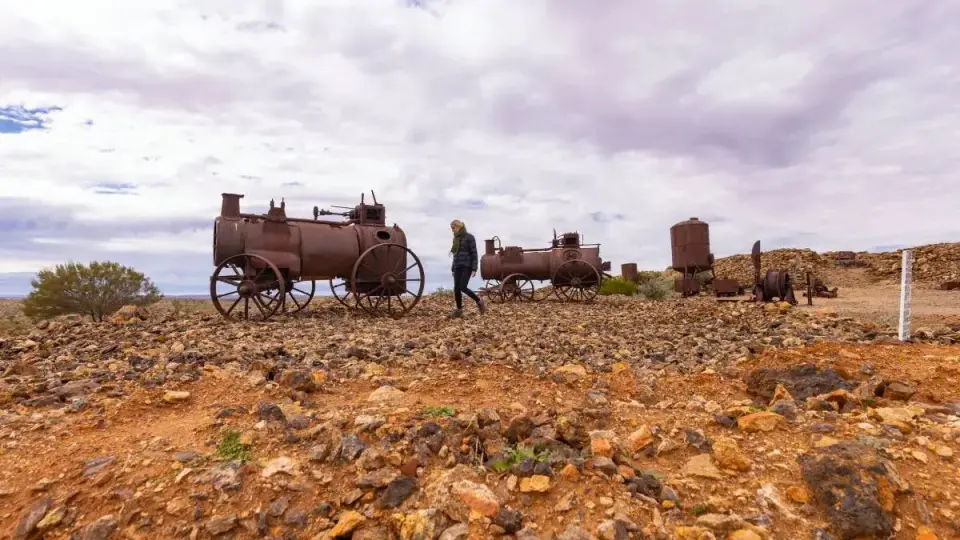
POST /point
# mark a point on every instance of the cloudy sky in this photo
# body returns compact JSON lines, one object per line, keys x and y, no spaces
{"x":822,"y":124}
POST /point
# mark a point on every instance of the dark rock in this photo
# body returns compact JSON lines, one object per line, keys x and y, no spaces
{"x":645,"y":484}
{"x":300,"y":380}
{"x":725,"y":420}
{"x":278,"y":506}
{"x":519,"y":429}
{"x":802,"y":381}
{"x":509,"y":520}
{"x":27,"y":525}
{"x":270,"y":412}
{"x":101,"y":529}
{"x":397,"y":491}
{"x":856,"y":488}
{"x":697,"y":439}
{"x":351,"y":447}
{"x":296,"y":518}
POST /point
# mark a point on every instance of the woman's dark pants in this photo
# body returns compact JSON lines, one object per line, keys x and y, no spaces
{"x":461,"y":278}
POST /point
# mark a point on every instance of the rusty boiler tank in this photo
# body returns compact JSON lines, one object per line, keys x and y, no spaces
{"x":573,"y":268}
{"x":275,"y":260}
{"x":690,"y":253}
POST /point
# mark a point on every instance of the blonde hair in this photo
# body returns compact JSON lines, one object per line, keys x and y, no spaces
{"x":457,"y":223}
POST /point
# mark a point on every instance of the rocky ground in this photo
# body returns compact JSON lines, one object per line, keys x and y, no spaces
{"x":623,"y":419}
{"x":935,"y":265}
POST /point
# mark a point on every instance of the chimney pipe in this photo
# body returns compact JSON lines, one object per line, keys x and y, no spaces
{"x":489,"y":247}
{"x":230,"y":205}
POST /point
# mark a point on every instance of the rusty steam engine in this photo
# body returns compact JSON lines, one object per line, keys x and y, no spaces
{"x":574,"y":269}
{"x":265,"y":261}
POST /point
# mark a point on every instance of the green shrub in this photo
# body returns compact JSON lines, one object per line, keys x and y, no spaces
{"x":644,"y":276}
{"x":656,"y":289}
{"x":617,"y":286}
{"x":96,"y":290}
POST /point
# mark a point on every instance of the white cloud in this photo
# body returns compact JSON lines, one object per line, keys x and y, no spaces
{"x":820,"y":124}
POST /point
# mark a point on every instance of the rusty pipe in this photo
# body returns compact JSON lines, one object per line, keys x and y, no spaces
{"x":230,"y":205}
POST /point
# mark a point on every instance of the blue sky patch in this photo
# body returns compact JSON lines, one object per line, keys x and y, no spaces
{"x":16,"y":119}
{"x":114,"y":188}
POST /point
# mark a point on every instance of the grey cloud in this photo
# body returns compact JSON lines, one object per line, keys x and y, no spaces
{"x":23,"y":221}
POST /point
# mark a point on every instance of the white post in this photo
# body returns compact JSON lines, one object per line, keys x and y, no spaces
{"x":906,"y":283}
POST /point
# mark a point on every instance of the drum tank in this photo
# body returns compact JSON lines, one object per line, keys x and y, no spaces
{"x":690,"y":246}
{"x":514,"y":260}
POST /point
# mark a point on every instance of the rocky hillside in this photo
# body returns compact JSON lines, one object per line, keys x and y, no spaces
{"x":624,"y":419}
{"x":935,"y":264}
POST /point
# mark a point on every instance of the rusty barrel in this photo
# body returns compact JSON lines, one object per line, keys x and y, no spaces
{"x":628,"y":271}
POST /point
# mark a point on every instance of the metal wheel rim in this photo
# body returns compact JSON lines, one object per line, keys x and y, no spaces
{"x":376,"y":307}
{"x":492,"y":290}
{"x":345,"y":296}
{"x":290,"y":304}
{"x":514,"y":288}
{"x":583,"y":293}
{"x":266,"y":305}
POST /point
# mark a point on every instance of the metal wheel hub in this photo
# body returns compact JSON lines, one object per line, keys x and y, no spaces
{"x":388,"y":280}
{"x":247,"y":289}
{"x":575,"y":282}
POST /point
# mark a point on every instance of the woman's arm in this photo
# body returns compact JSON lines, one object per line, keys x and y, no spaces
{"x":473,"y":253}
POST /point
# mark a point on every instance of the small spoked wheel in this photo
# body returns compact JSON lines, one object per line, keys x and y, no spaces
{"x":298,"y":295}
{"x":385,"y":283}
{"x":247,"y":287}
{"x":576,"y":281}
{"x":340,"y":288}
{"x":517,"y":288}
{"x":491,"y":291}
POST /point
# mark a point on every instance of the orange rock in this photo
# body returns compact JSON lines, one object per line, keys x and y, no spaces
{"x":640,"y":439}
{"x":799,"y":494}
{"x":925,"y":533}
{"x":570,"y":472}
{"x":760,"y":421}
{"x":601,"y":447}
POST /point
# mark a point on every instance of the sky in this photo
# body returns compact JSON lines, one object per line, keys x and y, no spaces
{"x":821,"y":124}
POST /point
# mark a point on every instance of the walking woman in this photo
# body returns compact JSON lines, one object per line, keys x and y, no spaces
{"x":464,"y":254}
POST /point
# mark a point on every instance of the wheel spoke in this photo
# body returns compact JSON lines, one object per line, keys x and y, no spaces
{"x":235,"y":302}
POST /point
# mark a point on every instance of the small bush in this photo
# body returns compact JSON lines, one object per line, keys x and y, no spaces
{"x":617,"y":286}
{"x":96,"y":290}
{"x":644,"y":276}
{"x":655,"y":289}
{"x":231,"y":449}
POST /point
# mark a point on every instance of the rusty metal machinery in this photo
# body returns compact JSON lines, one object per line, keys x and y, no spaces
{"x":774,"y":284}
{"x":269,"y":263}
{"x":574,"y":269}
{"x":629,"y":272}
{"x":690,"y":253}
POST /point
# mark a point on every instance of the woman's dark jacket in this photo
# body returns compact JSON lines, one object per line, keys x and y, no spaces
{"x":466,"y":257}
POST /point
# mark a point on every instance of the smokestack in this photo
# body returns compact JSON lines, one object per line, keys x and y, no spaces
{"x":489,"y":247}
{"x":230,"y":205}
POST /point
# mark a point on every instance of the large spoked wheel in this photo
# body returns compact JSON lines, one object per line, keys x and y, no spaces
{"x":341,"y":291}
{"x":291,"y":302}
{"x":517,"y":288}
{"x":576,"y":281}
{"x":381,"y":280}
{"x":246,"y":287}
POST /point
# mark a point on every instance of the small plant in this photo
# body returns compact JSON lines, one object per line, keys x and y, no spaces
{"x":644,"y":276}
{"x":231,"y":449}
{"x":612,"y":287}
{"x":97,"y":290}
{"x":178,"y":306}
{"x":655,"y":289}
{"x":699,"y":510}
{"x":756,"y":409}
{"x":513,"y":456}
{"x":435,"y":411}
